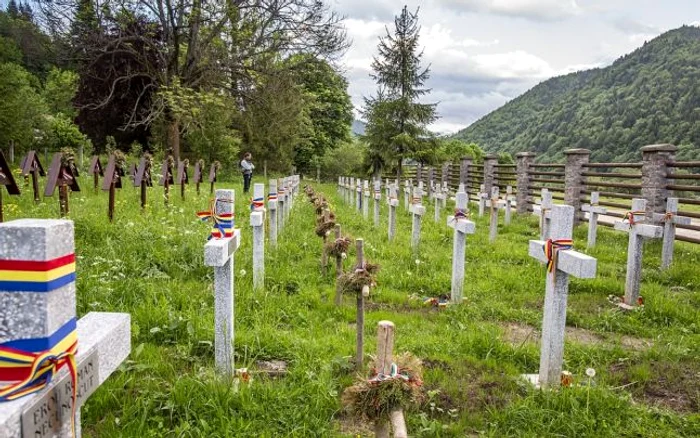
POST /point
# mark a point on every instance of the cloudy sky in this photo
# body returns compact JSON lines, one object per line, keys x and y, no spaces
{"x":486,"y":52}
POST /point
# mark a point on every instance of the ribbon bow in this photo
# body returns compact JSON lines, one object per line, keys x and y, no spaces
{"x":42,"y":367}
{"x":629,"y":216}
{"x":668,"y":217}
{"x":461,"y":214}
{"x":256,"y":203}
{"x":272,"y":196}
{"x":551,"y":249}
{"x":222,"y":223}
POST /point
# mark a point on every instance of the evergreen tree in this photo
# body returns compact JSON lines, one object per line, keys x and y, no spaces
{"x":12,"y":9}
{"x":396,"y":120}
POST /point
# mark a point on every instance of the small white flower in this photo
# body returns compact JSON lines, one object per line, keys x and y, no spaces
{"x":590,"y":372}
{"x":417,"y":262}
{"x":242,"y":273}
{"x":343,"y":256}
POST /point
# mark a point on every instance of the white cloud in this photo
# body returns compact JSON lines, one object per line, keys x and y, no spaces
{"x":531,"y":9}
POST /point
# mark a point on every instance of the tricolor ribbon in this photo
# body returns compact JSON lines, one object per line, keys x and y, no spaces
{"x":39,"y":369}
{"x":416,"y":200}
{"x":551,"y":249}
{"x":222,"y":223}
{"x":668,"y":217}
{"x":629,"y":216}
{"x":272,"y":196}
{"x":461,"y":214}
{"x":257,"y":203}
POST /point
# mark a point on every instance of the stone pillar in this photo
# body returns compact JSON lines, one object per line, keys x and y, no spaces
{"x":523,"y":161}
{"x":655,"y":159}
{"x":573,"y":180}
{"x":490,"y":162}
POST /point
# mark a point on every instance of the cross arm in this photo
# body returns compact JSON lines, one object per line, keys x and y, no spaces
{"x":644,"y":230}
{"x":593,"y":209}
{"x":462,"y":225}
{"x":678,"y":220}
{"x":218,"y":251}
{"x":571,"y":262}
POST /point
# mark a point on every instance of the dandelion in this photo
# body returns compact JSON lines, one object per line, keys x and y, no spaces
{"x":590,"y":372}
{"x":417,"y":262}
{"x":343,"y":256}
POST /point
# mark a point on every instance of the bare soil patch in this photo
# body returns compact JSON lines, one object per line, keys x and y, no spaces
{"x":518,"y":334}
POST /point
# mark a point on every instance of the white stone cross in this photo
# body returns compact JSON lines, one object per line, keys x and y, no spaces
{"x":38,"y":314}
{"x":482,"y":199}
{"x":365,"y":200}
{"x":219,"y":253}
{"x":669,"y":221}
{"x":508,"y":199}
{"x":445,"y":194}
{"x":462,"y":226}
{"x":495,"y":204}
{"x":566,"y":262}
{"x":288,"y":197}
{"x":358,"y":194}
{"x":393,"y":202}
{"x":378,"y":199}
{"x":593,"y":210}
{"x":417,"y":210}
{"x":281,"y":202}
{"x":257,"y":222}
{"x":386,"y":185}
{"x":272,"y":216}
{"x":544,"y":211}
{"x":637,"y":232}
{"x":408,"y":188}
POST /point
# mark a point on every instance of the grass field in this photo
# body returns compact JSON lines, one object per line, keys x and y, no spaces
{"x":150,"y":265}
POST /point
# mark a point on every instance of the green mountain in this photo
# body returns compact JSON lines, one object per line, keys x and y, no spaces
{"x":649,"y":96}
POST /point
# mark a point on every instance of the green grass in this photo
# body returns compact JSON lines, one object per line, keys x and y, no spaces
{"x":151,"y":266}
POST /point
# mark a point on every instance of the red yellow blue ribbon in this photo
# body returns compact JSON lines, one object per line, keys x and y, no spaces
{"x":257,"y":203}
{"x":40,"y":368}
{"x":551,"y":249}
{"x":222,"y":224}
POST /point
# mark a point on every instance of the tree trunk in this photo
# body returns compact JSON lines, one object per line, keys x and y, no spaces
{"x":174,"y":138}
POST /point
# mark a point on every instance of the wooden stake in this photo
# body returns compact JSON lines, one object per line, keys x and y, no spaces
{"x":96,"y":177}
{"x":384,"y":361}
{"x":63,"y":199}
{"x":143,"y":194}
{"x":110,"y":208}
{"x":360,"y":322}
{"x":324,"y":252}
{"x":35,"y":184}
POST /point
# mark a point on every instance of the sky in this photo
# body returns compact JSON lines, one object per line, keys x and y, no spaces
{"x":483,"y":53}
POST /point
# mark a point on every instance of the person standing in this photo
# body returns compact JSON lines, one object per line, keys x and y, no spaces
{"x":247,"y":167}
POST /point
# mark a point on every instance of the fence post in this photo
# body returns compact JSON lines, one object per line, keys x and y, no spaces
{"x":523,"y":161}
{"x":655,"y":160}
{"x":490,"y":162}
{"x":573,"y":180}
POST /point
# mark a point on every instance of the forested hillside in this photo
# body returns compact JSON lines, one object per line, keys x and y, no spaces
{"x":649,"y":96}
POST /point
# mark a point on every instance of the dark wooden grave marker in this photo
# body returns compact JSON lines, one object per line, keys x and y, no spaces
{"x":166,"y":179}
{"x":7,"y":180}
{"x":213,"y":170}
{"x":111,"y":182}
{"x":32,"y":166}
{"x":182,"y":177}
{"x":61,"y":175}
{"x":198,"y":177}
{"x":143,"y":177}
{"x":96,"y":170}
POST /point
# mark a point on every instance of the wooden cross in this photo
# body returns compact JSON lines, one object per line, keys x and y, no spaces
{"x":143,"y":177}
{"x":112,"y":181}
{"x":198,"y":174}
{"x":637,"y":231}
{"x":32,"y":166}
{"x":62,"y":176}
{"x":96,"y":170}
{"x":669,"y":220}
{"x":7,"y":180}
{"x":562,"y":261}
{"x":182,"y":176}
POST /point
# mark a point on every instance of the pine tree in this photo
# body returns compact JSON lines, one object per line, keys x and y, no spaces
{"x":12,"y":9}
{"x":396,"y":120}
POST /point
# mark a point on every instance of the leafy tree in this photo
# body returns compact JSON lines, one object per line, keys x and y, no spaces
{"x":60,"y":132}
{"x":346,"y":159}
{"x":22,"y":108}
{"x":59,"y":91}
{"x":396,"y":120}
{"x":454,"y":150}
{"x":329,"y":106}
{"x":35,"y":46}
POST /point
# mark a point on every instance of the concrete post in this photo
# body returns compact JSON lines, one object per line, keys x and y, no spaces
{"x":655,"y":159}
{"x":523,"y":162}
{"x":490,"y":162}
{"x":573,"y":180}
